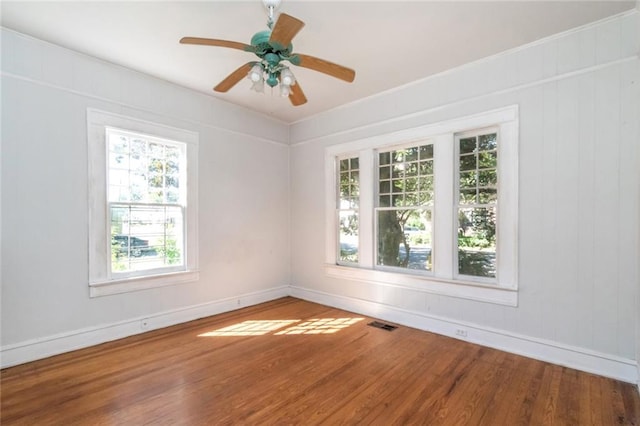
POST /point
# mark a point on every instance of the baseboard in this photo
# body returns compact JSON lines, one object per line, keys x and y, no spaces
{"x":65,"y":342}
{"x":569,"y":356}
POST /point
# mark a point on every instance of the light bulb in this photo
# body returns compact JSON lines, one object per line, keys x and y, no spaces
{"x":287,"y":78}
{"x":285,"y":90}
{"x":255,"y":74}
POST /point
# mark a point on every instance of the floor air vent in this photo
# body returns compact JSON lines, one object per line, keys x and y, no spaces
{"x":378,"y":324}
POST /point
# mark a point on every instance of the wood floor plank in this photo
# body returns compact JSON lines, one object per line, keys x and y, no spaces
{"x":294,"y":362}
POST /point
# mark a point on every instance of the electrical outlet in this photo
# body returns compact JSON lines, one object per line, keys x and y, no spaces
{"x":144,"y":324}
{"x":461,"y":332}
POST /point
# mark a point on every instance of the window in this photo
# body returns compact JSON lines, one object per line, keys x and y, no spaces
{"x":147,"y":199}
{"x":477,"y":190}
{"x":405,"y":207}
{"x":142,"y":211}
{"x":347,"y":209}
{"x":435,"y":208}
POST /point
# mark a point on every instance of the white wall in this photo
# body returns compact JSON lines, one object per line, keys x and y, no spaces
{"x":243,"y":198}
{"x":578,"y":95}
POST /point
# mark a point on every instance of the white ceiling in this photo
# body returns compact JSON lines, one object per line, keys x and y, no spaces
{"x":389,"y":44}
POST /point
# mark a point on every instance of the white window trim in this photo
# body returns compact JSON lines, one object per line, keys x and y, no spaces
{"x":505,"y":292}
{"x":100,"y":281}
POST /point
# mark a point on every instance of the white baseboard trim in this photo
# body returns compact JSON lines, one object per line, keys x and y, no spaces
{"x":556,"y":353}
{"x":35,"y":349}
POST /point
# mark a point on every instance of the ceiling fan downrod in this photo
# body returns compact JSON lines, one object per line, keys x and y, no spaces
{"x":271,"y":6}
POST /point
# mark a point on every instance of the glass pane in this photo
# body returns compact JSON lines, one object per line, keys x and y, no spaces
{"x":385,"y":187}
{"x":146,"y":237}
{"x":404,"y":238}
{"x":384,"y":158}
{"x":344,"y":165}
{"x":412,"y":154}
{"x":488,"y":159}
{"x":411,"y":169}
{"x":426,"y":167}
{"x":145,"y":171}
{"x":488,"y":177}
{"x":348,"y":236}
{"x":487,"y":195}
{"x":426,"y":151}
{"x":487,"y":142}
{"x":397,"y":170}
{"x":477,"y":242}
{"x":385,"y":172}
{"x":397,"y":200}
{"x":411,"y":184}
{"x":426,"y":183}
{"x":355,"y":163}
{"x":467,"y":162}
{"x":467,"y":145}
{"x":468,"y":180}
{"x":355,"y":177}
{"x":385,"y":201}
{"x":397,"y":185}
{"x":468,"y":196}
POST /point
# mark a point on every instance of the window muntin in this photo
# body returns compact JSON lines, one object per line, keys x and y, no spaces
{"x":348,"y":202}
{"x":477,"y":199}
{"x":146,"y":198}
{"x":404,"y":212}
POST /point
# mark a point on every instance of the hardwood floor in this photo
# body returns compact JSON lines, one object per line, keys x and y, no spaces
{"x":252,"y":367}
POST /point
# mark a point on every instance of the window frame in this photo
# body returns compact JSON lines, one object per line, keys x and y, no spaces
{"x":443,"y":280}
{"x":102,"y":281}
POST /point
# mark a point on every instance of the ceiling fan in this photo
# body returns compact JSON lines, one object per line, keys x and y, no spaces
{"x":272,"y":47}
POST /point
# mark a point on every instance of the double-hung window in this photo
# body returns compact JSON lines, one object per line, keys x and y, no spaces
{"x":142,"y":204}
{"x":432,"y":208}
{"x":146,"y":201}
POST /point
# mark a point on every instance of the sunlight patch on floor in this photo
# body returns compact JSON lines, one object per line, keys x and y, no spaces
{"x":262,"y":327}
{"x":250,"y":328}
{"x":320,"y":326}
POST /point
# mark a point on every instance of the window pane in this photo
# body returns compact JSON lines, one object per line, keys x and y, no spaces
{"x":411,"y":177}
{"x":426,"y":152}
{"x":385,"y":172}
{"x":477,"y":241}
{"x":468,"y":196}
{"x":488,"y":177}
{"x":404,"y":238}
{"x":426,"y":167}
{"x":384,"y":158}
{"x":147,"y":171}
{"x":468,"y":162}
{"x":468,"y":180}
{"x":348,"y":236}
{"x":146,"y":237}
{"x":488,"y":159}
{"x":487,"y":142}
{"x":467,"y":145}
{"x":487,"y":196}
{"x":412,"y":154}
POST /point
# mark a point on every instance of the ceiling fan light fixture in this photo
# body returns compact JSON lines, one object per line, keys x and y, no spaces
{"x":255,"y":74}
{"x":287,"y":78}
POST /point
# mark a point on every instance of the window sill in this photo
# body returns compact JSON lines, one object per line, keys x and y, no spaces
{"x":500,"y":295}
{"x":126,"y":285}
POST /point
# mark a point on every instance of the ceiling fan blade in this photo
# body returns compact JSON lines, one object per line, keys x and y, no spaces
{"x":284,"y":30}
{"x":326,"y":67}
{"x":216,"y":42}
{"x":296,"y":96}
{"x":233,"y":78}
